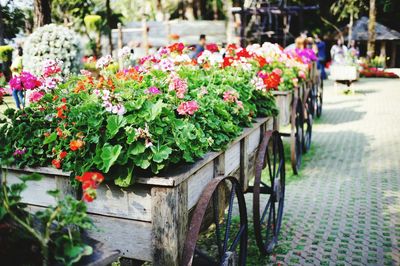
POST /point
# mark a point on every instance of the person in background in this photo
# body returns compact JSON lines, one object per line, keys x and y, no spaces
{"x":199,"y":48}
{"x":321,"y":54}
{"x":338,"y":52}
{"x":16,"y":69}
{"x":353,"y":49}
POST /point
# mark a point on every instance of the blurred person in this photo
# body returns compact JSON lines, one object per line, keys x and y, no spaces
{"x":321,"y":54}
{"x":353,"y":49}
{"x":199,"y":48}
{"x":338,"y":52}
{"x":16,"y":69}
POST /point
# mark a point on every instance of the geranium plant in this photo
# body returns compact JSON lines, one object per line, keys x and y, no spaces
{"x":170,"y":109}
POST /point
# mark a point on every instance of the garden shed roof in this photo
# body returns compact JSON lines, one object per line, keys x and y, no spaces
{"x":360,"y":31}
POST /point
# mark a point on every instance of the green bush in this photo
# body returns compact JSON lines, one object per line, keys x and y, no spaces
{"x":93,"y":22}
{"x":5,"y":53}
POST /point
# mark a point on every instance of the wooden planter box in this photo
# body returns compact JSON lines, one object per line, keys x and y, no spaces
{"x":284,"y":103}
{"x":148,"y":221}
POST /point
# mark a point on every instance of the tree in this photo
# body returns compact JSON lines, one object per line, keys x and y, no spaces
{"x":42,"y":12}
{"x":109,"y":24}
{"x":348,"y":9}
{"x":371,"y":29}
{"x":12,"y":21}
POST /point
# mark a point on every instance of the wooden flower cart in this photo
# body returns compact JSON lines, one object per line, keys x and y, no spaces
{"x":150,"y":221}
{"x":298,"y":108}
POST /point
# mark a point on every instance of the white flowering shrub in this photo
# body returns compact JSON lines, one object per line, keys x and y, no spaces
{"x":52,"y":42}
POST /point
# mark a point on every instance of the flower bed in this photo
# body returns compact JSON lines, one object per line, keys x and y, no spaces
{"x":168,"y":110}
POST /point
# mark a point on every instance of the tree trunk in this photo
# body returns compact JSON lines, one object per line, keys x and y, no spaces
{"x":110,"y":43}
{"x":1,"y":26}
{"x":350,"y":29}
{"x":189,"y":13}
{"x":371,"y":29}
{"x":42,"y":13}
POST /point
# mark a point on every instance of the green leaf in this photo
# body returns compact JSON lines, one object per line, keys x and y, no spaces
{"x":51,"y":138}
{"x":109,"y":155}
{"x":54,"y":193}
{"x":137,"y":148}
{"x":31,"y":177}
{"x":114,"y":123}
{"x":125,"y":181}
{"x":155,"y":110}
{"x":160,"y":154}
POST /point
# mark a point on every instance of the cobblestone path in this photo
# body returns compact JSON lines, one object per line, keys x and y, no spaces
{"x":346,"y":209}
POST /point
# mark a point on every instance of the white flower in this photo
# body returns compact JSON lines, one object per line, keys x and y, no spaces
{"x":124,"y":52}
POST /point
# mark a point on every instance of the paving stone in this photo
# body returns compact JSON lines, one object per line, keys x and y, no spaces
{"x":345,"y":210}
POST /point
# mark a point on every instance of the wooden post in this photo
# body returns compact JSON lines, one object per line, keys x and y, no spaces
{"x":145,"y":37}
{"x":169,"y":223}
{"x":393,"y":56}
{"x":383,"y":52}
{"x":120,"y":37}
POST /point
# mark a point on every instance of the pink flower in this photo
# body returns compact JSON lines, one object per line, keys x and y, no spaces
{"x":278,"y":71}
{"x":36,"y":96}
{"x":152,"y":90}
{"x":302,"y":75}
{"x":86,"y":72}
{"x":104,"y":61}
{"x":188,"y":108}
{"x":51,"y":67}
{"x":230,"y":96}
{"x":179,"y":86}
{"x":16,"y":83}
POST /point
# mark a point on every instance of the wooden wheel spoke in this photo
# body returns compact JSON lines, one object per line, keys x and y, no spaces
{"x":229,"y":220}
{"x":269,"y":163}
{"x":266,"y":208}
{"x":217,"y":225}
{"x":237,"y":238}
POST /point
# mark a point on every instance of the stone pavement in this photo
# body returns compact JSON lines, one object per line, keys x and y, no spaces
{"x":346,"y":208}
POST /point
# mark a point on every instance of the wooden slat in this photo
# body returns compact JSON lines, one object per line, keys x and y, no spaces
{"x":244,"y":161}
{"x":130,"y":203}
{"x":132,"y":238}
{"x":232,"y":158}
{"x":254,"y":141}
{"x":198,"y":181}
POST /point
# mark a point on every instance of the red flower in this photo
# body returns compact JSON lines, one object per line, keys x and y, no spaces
{"x":212,"y":47}
{"x":90,"y":182}
{"x":59,"y":132}
{"x":56,"y":163}
{"x":227,"y":61}
{"x":63,"y":154}
{"x":64,"y":100}
{"x":261,"y":61}
{"x":76,"y":144}
{"x":272,"y":80}
{"x":243,"y":53}
{"x":177,"y":47}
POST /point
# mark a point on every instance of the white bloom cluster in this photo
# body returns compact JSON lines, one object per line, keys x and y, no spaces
{"x":52,"y":42}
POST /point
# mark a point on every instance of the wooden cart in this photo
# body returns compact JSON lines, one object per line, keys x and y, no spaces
{"x":149,"y":221}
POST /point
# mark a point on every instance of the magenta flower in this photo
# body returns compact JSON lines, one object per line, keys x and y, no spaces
{"x":19,"y":152}
{"x":16,"y":83}
{"x":188,"y":108}
{"x":152,"y":90}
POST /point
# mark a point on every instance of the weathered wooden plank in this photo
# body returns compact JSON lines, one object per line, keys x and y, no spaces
{"x":169,"y":223}
{"x":36,"y":191}
{"x":131,"y":203}
{"x":244,"y":162}
{"x":198,"y":181}
{"x":254,"y":141}
{"x":232,"y":158}
{"x":132,"y":238}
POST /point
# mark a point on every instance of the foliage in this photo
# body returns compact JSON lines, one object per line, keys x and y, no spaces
{"x":346,"y":8}
{"x":56,"y":229}
{"x":5,"y":53}
{"x":13,"y":19}
{"x":55,"y":43}
{"x":93,"y":23}
{"x":169,"y":110}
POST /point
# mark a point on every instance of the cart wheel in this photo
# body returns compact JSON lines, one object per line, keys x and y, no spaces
{"x":268,"y":211}
{"x":308,"y":121}
{"x":319,"y":97}
{"x":220,"y":214}
{"x":296,"y":135}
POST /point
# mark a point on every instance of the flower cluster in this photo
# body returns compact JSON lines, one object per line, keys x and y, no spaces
{"x":188,"y":108}
{"x":104,"y":62}
{"x":24,"y":81}
{"x":178,"y":85}
{"x":90,"y":182}
{"x":111,"y":101}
